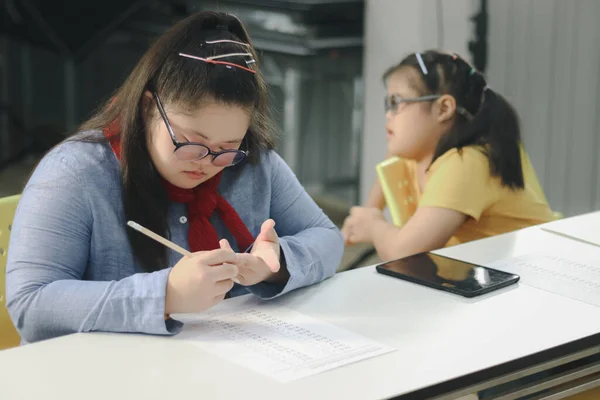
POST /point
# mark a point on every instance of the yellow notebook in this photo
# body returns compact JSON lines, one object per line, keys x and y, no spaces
{"x":396,"y":177}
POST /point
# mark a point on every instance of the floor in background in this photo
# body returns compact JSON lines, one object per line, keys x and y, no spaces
{"x":352,"y":253}
{"x":13,"y":178}
{"x":337,"y":212}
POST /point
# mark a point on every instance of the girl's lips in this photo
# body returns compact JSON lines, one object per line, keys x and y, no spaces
{"x":194,"y":174}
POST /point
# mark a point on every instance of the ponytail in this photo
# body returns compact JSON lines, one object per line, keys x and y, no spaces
{"x":498,"y":125}
{"x":495,"y":127}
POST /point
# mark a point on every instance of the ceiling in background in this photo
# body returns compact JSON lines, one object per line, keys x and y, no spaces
{"x":71,"y":27}
{"x":75,"y":27}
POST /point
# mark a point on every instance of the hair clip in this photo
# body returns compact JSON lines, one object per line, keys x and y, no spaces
{"x":421,"y":63}
{"x":213,"y":60}
{"x":454,"y":56}
{"x":228,"y":55}
{"x":227,"y":41}
{"x":473,"y":71}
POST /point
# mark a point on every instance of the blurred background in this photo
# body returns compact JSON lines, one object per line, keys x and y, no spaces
{"x":323,"y":61}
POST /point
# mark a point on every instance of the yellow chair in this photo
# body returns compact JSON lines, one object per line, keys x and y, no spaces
{"x":592,"y":394}
{"x":8,"y":334}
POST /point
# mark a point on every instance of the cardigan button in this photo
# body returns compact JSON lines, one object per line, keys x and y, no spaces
{"x":183,"y":219}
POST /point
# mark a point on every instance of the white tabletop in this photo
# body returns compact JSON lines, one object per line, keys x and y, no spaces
{"x":585,"y":228}
{"x":521,"y":242}
{"x":438,"y":337}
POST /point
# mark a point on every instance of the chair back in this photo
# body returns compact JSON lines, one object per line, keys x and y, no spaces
{"x":8,"y":334}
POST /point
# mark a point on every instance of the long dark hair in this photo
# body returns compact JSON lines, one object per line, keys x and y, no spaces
{"x":188,"y":83}
{"x":483,"y":116}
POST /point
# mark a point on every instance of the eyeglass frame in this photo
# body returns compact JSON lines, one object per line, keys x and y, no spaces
{"x":399,"y":100}
{"x":179,"y":145}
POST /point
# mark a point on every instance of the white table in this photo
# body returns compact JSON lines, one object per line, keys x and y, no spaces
{"x":439,"y":338}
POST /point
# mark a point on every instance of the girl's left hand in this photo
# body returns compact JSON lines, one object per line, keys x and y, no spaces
{"x":358,"y":225}
{"x":263,"y":261}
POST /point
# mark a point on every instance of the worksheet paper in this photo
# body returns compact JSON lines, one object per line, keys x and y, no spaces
{"x":568,"y":275}
{"x":278,"y":342}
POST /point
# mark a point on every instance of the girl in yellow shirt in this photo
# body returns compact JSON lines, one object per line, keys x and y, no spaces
{"x":460,"y":170}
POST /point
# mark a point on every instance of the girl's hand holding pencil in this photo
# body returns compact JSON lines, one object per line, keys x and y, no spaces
{"x":199,"y":280}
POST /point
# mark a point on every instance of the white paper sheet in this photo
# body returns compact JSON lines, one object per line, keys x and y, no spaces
{"x":560,"y":273}
{"x":278,"y":342}
{"x":584,"y":228}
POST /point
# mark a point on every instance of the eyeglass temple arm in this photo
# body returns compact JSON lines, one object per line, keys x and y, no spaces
{"x":163,"y":114}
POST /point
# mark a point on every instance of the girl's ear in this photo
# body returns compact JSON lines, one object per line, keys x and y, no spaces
{"x":445,"y":108}
{"x":147,"y":103}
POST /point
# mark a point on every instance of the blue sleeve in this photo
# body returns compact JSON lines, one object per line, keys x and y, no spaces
{"x":47,"y":259}
{"x":311,"y":244}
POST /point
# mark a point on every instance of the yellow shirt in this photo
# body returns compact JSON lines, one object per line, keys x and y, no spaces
{"x":462,"y":182}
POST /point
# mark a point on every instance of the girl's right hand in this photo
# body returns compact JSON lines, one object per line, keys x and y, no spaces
{"x":200,"y":281}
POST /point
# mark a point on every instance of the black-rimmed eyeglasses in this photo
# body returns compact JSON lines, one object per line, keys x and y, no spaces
{"x":190,"y":151}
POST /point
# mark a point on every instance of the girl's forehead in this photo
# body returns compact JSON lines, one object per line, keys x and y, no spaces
{"x":403,"y":80}
{"x":214,"y":122}
{"x":204,"y":110}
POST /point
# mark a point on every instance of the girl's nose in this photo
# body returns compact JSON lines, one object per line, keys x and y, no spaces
{"x":206,"y":161}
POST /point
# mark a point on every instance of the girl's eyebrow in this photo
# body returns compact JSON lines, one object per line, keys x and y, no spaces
{"x":203,"y":136}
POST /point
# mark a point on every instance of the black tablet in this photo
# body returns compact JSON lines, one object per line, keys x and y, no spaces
{"x":448,"y":274}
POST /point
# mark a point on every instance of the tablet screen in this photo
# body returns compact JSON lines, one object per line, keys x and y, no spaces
{"x":439,"y":271}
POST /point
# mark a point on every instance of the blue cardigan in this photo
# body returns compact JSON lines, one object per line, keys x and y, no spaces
{"x":71,"y":268}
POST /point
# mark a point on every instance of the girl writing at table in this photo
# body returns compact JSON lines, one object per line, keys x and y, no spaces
{"x":457,"y":145}
{"x":185,"y":149}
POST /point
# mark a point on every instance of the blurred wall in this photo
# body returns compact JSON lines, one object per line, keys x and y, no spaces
{"x":544,"y":57}
{"x":395,"y":28}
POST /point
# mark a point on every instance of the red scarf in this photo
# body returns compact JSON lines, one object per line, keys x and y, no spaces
{"x":202,"y":201}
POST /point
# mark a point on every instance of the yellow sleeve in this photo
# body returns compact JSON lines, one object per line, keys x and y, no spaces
{"x":460,"y":182}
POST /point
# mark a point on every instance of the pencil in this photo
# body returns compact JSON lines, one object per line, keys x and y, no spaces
{"x":158,"y":238}
{"x":162,"y":240}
